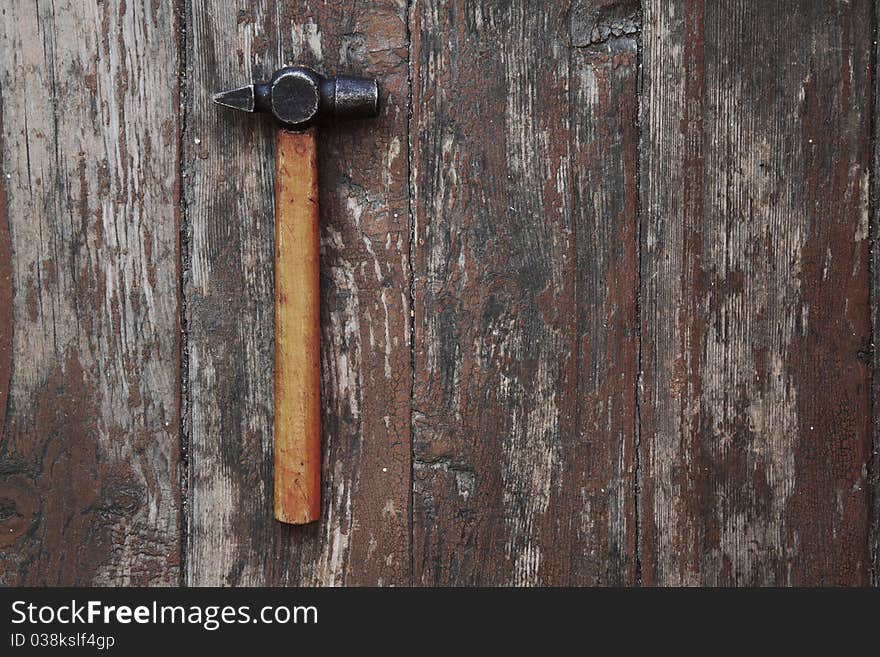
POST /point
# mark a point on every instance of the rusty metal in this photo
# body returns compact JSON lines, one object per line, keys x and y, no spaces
{"x":299,"y":97}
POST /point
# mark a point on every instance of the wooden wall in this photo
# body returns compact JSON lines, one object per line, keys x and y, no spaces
{"x":598,"y":294}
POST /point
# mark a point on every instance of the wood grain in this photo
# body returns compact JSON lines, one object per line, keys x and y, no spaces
{"x":576,"y":327}
{"x":755,"y":159}
{"x":363,"y":537}
{"x":297,"y":428}
{"x":524,"y":190}
{"x":89,"y":357}
{"x":874,"y":470}
{"x":600,"y":477}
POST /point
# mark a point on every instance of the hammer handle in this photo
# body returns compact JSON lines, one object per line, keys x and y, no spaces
{"x":297,"y":330}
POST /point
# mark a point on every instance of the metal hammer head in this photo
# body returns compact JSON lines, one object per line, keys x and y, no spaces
{"x":298,"y":97}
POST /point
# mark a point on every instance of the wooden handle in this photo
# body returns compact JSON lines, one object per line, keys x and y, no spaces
{"x":297,"y":331}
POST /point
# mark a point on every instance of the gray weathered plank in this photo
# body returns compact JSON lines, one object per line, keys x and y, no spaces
{"x":755,"y":320}
{"x":524,"y":191}
{"x":363,"y":537}
{"x":89,"y":354}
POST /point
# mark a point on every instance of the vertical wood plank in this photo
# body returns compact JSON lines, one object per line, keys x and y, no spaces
{"x":874,"y":470}
{"x":89,"y":361}
{"x":523,"y":178}
{"x":363,"y":535}
{"x":599,"y":478}
{"x":755,"y":319}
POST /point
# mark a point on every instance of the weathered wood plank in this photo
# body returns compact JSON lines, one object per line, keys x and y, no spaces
{"x":755,"y":320}
{"x":363,"y":537}
{"x":874,"y":471}
{"x":601,"y":453}
{"x":89,"y":352}
{"x":524,"y":191}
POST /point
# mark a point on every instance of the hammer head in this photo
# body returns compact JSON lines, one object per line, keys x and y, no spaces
{"x":298,"y":97}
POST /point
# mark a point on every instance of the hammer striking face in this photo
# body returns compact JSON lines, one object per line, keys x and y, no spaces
{"x":299,"y":98}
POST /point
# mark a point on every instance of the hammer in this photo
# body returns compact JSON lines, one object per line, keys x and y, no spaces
{"x":299,"y":99}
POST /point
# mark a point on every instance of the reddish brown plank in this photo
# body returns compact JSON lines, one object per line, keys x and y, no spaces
{"x":874,"y":471}
{"x":524,"y":190}
{"x":89,"y":353}
{"x":363,"y":535}
{"x":755,"y":319}
{"x":600,"y":478}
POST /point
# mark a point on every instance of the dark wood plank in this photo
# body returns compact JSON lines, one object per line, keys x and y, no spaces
{"x":89,"y":353}
{"x":363,"y":537}
{"x":874,"y":471}
{"x":524,"y":189}
{"x":755,"y":413}
{"x":599,"y":477}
